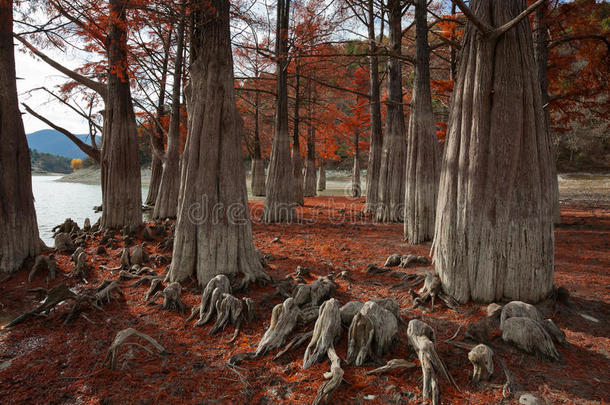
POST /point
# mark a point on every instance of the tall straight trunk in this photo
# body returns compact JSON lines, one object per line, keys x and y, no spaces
{"x":423,"y":155}
{"x":376,"y":144}
{"x":166,"y":205}
{"x":494,"y":226}
{"x":391,"y":190}
{"x":297,"y":162}
{"x":322,"y":176}
{"x":541,"y":53}
{"x":213,"y":230}
{"x":258,"y":164}
{"x":452,"y":52}
{"x":156,"y":137}
{"x":121,"y":183}
{"x":310,"y":178}
{"x":279,"y":201}
{"x":18,"y":227}
{"x":356,"y":188}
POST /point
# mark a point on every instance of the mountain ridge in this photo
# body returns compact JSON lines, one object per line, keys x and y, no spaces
{"x":55,"y":143}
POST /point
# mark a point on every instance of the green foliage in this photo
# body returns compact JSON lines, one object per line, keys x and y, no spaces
{"x":45,"y":162}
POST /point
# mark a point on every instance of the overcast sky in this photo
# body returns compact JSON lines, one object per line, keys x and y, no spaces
{"x":35,"y":73}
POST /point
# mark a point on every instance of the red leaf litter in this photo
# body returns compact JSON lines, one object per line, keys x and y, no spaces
{"x":42,"y":361}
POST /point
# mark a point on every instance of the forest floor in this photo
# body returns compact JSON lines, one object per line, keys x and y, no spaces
{"x":42,"y":361}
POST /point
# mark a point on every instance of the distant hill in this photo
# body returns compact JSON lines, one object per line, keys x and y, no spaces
{"x":47,"y":163}
{"x":56,"y":143}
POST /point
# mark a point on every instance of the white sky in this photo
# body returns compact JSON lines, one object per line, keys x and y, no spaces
{"x":35,"y":73}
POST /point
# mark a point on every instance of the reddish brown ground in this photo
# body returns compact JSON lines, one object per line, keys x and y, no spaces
{"x":63,"y":365}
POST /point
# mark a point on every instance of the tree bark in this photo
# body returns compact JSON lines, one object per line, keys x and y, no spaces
{"x":494,"y":227}
{"x":310,"y":178}
{"x":121,"y":182}
{"x":423,"y":155}
{"x":258,"y":164}
{"x":156,"y":170}
{"x":18,"y":226}
{"x":356,"y":188}
{"x":213,"y":231}
{"x":297,"y":162}
{"x":376,"y":144}
{"x":166,"y":205}
{"x":279,"y":202}
{"x":541,"y":53}
{"x":322,"y":176}
{"x":391,"y":189}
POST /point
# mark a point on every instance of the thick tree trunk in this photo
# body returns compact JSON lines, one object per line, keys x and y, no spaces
{"x":166,"y":205}
{"x":541,"y":53}
{"x":356,"y":188}
{"x":18,"y":227}
{"x":258,"y":164}
{"x":376,"y":144}
{"x":156,"y":170}
{"x":391,"y":189}
{"x":121,"y":183}
{"x":494,"y":226}
{"x":322,"y":176}
{"x":423,"y":155}
{"x":279,"y":202}
{"x":213,"y":230}
{"x":297,"y":162}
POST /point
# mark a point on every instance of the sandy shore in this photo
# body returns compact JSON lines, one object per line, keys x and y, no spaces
{"x":94,"y":176}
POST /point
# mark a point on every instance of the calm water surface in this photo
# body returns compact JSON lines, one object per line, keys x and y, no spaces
{"x":55,"y":201}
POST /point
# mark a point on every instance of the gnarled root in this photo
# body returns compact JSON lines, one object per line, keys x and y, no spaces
{"x":283,"y":320}
{"x":107,"y":291}
{"x":529,"y":335}
{"x":372,"y":331}
{"x":519,"y":309}
{"x":155,"y":286}
{"x":349,"y":311}
{"x":325,"y":332}
{"x":234,"y":311}
{"x":63,"y":243}
{"x":392,"y":365}
{"x":315,"y":293}
{"x":80,"y":266}
{"x":171,"y":297}
{"x":44,"y":263}
{"x":137,"y":255}
{"x":54,"y":296}
{"x":212,"y":294}
{"x":432,"y":289}
{"x":333,"y":377}
{"x":481,"y":357}
{"x":121,"y":339}
{"x":295,"y":343}
{"x":422,"y":339}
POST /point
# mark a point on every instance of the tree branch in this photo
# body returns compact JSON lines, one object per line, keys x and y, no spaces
{"x":96,"y":86}
{"x":89,"y":150}
{"x":483,"y":27}
{"x":502,"y":29}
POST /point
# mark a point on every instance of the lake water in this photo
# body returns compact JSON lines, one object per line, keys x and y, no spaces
{"x":55,"y":201}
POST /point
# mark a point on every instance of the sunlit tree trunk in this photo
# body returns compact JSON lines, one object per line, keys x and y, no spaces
{"x":423,"y":155}
{"x":18,"y":227}
{"x":279,"y":201}
{"x":322,"y":176}
{"x":542,"y":58}
{"x":376,"y":144}
{"x":494,"y":224}
{"x":166,"y":205}
{"x":391,"y":190}
{"x":213,"y":230}
{"x":121,"y":183}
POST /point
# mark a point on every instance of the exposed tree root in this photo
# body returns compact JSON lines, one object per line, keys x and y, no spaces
{"x":121,"y":339}
{"x":405,"y":261}
{"x":63,"y":243}
{"x":430,"y":290}
{"x":315,"y":293}
{"x":234,"y":311}
{"x":333,"y":377}
{"x":295,"y":343}
{"x":80,"y":265}
{"x":283,"y":320}
{"x":392,"y":365}
{"x":349,"y":310}
{"x":171,"y":297}
{"x":372,"y":331}
{"x":44,"y":263}
{"x":212,"y":294}
{"x":54,"y":296}
{"x":285,"y":286}
{"x":481,"y":357}
{"x":359,"y":338}
{"x":325,"y":332}
{"x":519,"y":309}
{"x":530,"y":336}
{"x":156,"y":285}
{"x":511,"y":387}
{"x":422,"y":339}
{"x":106,"y":292}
